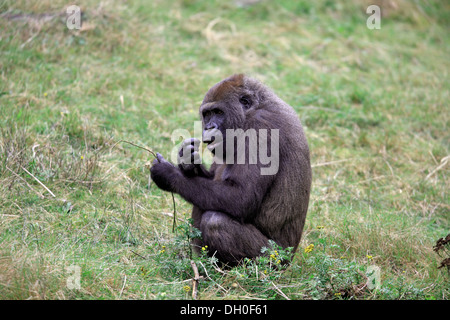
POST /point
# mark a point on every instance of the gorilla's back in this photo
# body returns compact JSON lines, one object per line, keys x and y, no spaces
{"x":284,"y":209}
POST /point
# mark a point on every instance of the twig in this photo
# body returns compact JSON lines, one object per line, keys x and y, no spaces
{"x":443,"y":164}
{"x":28,"y":185}
{"x":139,"y":255}
{"x":9,"y":215}
{"x":279,"y":291}
{"x":207,"y":275}
{"x":194,"y":280}
{"x":154,"y":154}
{"x":169,"y":214}
{"x":172,"y":282}
{"x":38,"y":181}
{"x":133,"y":144}
{"x":174,"y":224}
{"x":124,"y":282}
{"x":216,"y":267}
{"x":329,"y":163}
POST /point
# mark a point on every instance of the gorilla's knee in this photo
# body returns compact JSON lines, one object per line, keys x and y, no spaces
{"x":211,"y":221}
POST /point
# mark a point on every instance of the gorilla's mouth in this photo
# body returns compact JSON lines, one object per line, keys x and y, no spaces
{"x":209,"y":140}
{"x":213,"y":138}
{"x":212,"y":144}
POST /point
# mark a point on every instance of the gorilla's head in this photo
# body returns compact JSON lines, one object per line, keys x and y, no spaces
{"x":228,"y":105}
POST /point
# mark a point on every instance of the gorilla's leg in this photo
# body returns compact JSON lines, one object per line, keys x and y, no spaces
{"x":229,"y":240}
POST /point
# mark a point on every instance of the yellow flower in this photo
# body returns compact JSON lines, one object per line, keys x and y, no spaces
{"x":309,"y":248}
{"x":278,"y":261}
{"x":82,"y":157}
{"x":272,"y":256}
{"x":320,"y":227}
{"x":45,"y":94}
{"x":276,"y":252}
{"x":143,"y":271}
{"x":162,"y":251}
{"x":337,"y":294}
{"x":187,"y":288}
{"x":369,"y":257}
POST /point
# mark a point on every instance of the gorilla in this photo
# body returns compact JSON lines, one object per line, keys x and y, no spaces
{"x":237,"y":207}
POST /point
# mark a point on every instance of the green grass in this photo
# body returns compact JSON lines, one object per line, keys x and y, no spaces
{"x":374,"y":104}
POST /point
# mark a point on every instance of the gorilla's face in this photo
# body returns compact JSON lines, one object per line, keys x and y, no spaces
{"x":214,"y":126}
{"x":217,"y":117}
{"x":225,"y":106}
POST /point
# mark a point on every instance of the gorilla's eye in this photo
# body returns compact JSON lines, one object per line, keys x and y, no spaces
{"x":245,"y":101}
{"x":218,"y":111}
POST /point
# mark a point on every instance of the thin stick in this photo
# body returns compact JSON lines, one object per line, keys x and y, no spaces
{"x":207,"y":275}
{"x":154,"y":154}
{"x":124,"y":282}
{"x":28,"y":185}
{"x":173,"y":282}
{"x":216,"y":267}
{"x":138,"y":255}
{"x":168,"y":214}
{"x":194,"y":280}
{"x":279,"y":291}
{"x":329,"y":163}
{"x":9,"y":215}
{"x":133,"y":144}
{"x":443,"y":164}
{"x":174,"y":224}
{"x":39,"y":182}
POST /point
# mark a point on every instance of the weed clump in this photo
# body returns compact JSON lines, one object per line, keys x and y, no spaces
{"x":442,"y":246}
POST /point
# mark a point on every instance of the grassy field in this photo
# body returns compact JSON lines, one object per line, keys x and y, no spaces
{"x":374,"y":104}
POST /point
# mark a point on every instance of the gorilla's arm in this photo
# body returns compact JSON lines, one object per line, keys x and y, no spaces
{"x":235,"y":198}
{"x":240,"y":195}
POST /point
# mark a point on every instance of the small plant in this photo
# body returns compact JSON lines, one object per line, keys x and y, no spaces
{"x":185,"y":233}
{"x":334,"y":278}
{"x":443,"y":247}
{"x":277,"y":254}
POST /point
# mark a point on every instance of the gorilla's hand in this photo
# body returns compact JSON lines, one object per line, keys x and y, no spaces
{"x":188,"y":156}
{"x":163,"y":173}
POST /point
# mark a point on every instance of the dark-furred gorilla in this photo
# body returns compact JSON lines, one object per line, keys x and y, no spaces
{"x":236,"y":207}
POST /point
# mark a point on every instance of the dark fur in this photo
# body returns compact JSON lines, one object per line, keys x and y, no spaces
{"x":235,"y":207}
